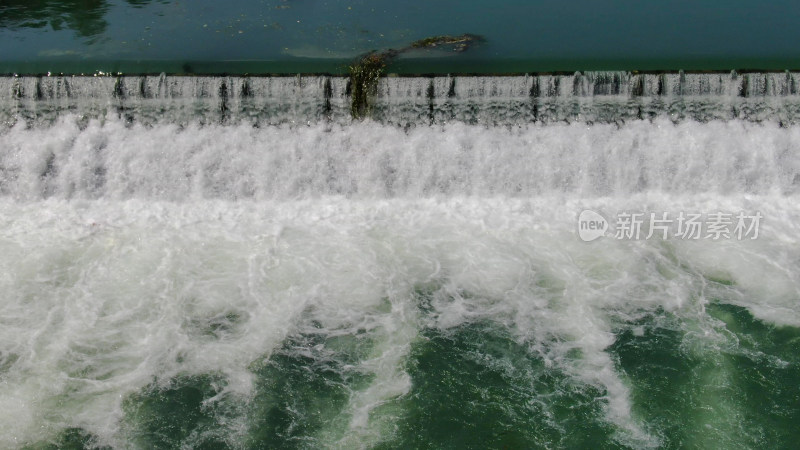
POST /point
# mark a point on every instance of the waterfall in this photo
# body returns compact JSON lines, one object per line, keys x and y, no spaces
{"x":593,"y":97}
{"x":234,"y":262}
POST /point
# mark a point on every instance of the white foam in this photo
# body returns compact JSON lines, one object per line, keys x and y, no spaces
{"x":109,"y":160}
{"x":102,"y":297}
{"x":124,"y":248}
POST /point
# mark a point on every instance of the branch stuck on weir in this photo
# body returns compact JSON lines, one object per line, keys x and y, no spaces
{"x":365,"y":73}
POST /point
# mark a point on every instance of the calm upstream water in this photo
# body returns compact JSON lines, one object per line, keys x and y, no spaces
{"x":232,"y":262}
{"x":315,"y":36}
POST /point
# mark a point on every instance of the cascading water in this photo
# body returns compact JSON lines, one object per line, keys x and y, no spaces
{"x":234,"y":262}
{"x":606,"y":97}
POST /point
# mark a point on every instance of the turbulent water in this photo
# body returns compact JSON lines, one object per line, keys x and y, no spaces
{"x":232,"y":263}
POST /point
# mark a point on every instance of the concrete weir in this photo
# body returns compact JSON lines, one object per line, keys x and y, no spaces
{"x":604,"y":97}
